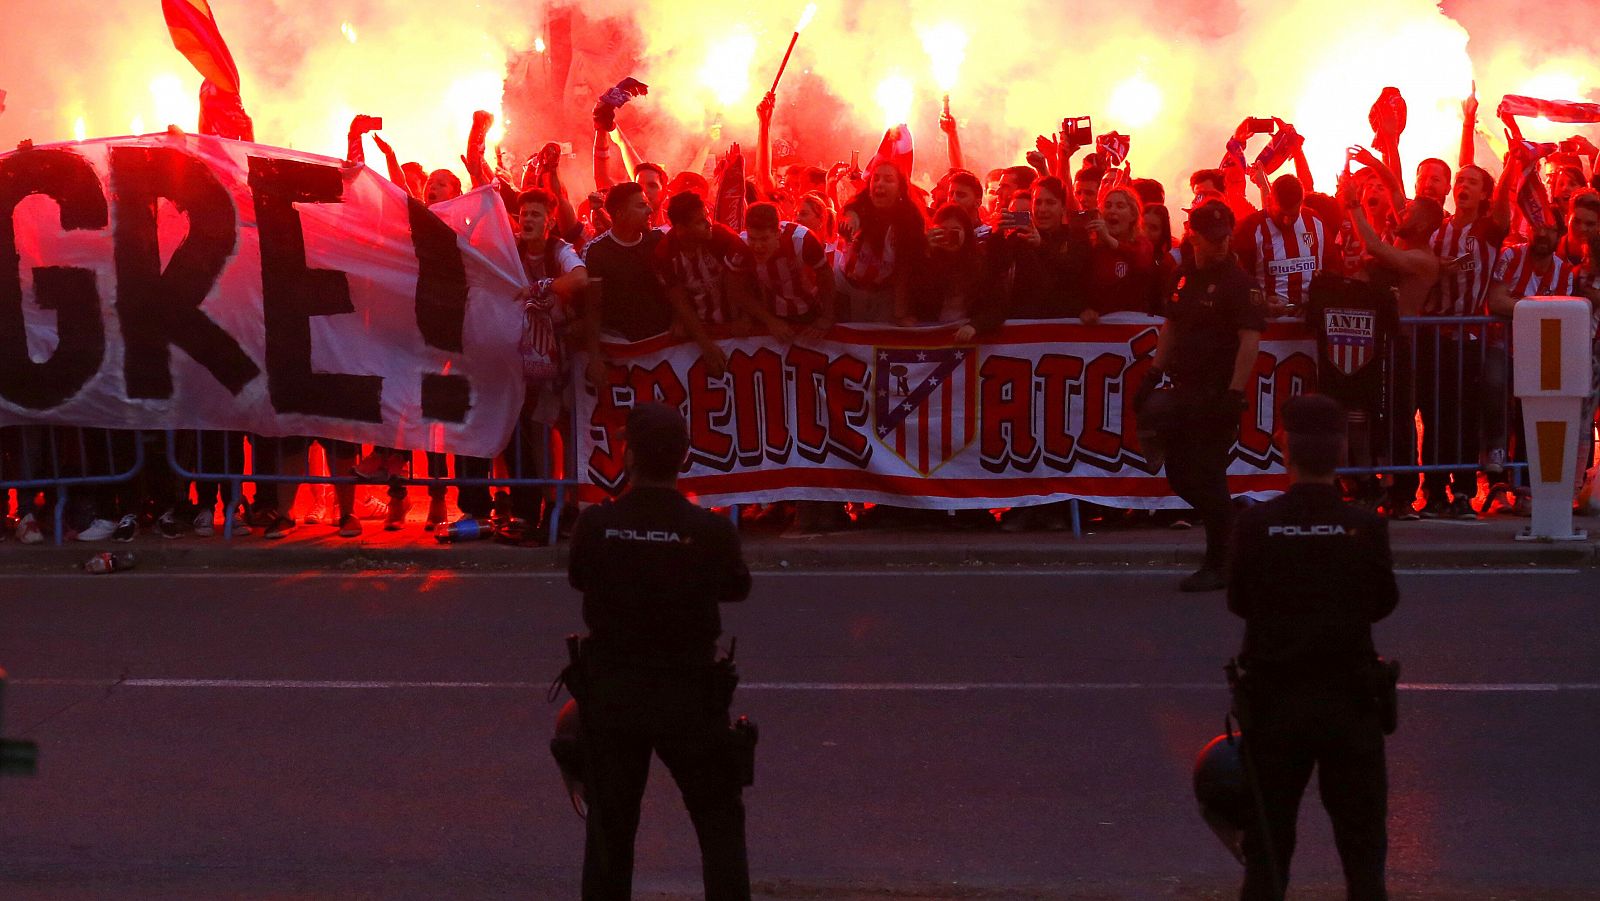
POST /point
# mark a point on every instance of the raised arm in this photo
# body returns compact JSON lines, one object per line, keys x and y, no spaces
{"x":476,"y":159}
{"x":1420,"y":263}
{"x":396,"y":174}
{"x":1469,"y":128}
{"x":952,"y":137}
{"x":602,"y":160}
{"x":1366,"y":158}
{"x":763,"y":173}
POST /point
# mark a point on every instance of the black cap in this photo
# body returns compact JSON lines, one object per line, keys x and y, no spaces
{"x":1212,"y":220}
{"x":1314,"y":416}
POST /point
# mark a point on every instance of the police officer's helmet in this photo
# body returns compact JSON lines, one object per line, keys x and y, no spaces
{"x":566,"y":746}
{"x":1223,"y":793}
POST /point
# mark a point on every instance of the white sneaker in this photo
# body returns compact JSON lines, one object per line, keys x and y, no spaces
{"x":373,"y":507}
{"x":315,"y":515}
{"x":99,"y":530}
{"x":28,"y":531}
{"x":204,"y":524}
{"x":241,"y":525}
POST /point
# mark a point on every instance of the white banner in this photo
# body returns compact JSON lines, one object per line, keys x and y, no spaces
{"x":1041,"y":412}
{"x":186,"y":281}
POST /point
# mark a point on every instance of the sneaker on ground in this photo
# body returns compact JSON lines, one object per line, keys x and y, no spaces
{"x":281,"y":526}
{"x":28,"y":531}
{"x":205,"y":526}
{"x":167,"y":525}
{"x":1203,"y":579}
{"x":1401,"y":511}
{"x":395,"y":519}
{"x":315,"y":515}
{"x":1494,"y":461}
{"x":261,"y":518}
{"x":128,"y":527}
{"x":1523,"y":506}
{"x":349,"y":527}
{"x":1436,"y":508}
{"x":373,"y":507}
{"x":1461,"y":508}
{"x":437,"y":514}
{"x":241,"y":523}
{"x":99,"y":530}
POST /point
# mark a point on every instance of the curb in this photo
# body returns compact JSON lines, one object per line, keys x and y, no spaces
{"x":771,"y":555}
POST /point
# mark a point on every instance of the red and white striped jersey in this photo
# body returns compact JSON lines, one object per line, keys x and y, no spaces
{"x":788,"y":280}
{"x":1465,"y":291}
{"x":1516,"y":271}
{"x":701,"y":270}
{"x":1281,"y":260}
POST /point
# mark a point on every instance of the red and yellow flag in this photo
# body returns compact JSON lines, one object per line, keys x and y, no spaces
{"x":195,"y":34}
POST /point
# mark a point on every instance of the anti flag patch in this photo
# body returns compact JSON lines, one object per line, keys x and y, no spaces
{"x":1352,"y":338}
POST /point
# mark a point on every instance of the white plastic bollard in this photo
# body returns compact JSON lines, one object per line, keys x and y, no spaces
{"x":1553,"y":367}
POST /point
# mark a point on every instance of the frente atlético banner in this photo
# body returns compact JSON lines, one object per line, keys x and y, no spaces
{"x":1039,"y":412}
{"x":188,"y":281}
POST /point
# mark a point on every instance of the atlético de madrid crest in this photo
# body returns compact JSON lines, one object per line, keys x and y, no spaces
{"x":1352,"y":337}
{"x":925,"y":403}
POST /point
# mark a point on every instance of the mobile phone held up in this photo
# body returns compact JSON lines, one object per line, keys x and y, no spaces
{"x":1077,"y":132}
{"x":1261,"y":126}
{"x":1016,"y":220}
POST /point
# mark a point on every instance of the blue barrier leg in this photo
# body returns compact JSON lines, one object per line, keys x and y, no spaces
{"x":61,"y":516}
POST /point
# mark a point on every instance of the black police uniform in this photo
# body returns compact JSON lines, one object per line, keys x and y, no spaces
{"x":652,"y":568}
{"x":1309,"y":576}
{"x":1207,"y":311}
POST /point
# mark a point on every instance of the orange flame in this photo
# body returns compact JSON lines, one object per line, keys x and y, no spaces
{"x":946,"y":46}
{"x":727,"y":67}
{"x":895,"y":96}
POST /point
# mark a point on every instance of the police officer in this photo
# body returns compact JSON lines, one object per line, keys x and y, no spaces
{"x":1309,"y":576}
{"x":1208,"y":348}
{"x":652,"y":568}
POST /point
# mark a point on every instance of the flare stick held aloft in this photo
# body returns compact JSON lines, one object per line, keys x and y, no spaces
{"x":805,"y":19}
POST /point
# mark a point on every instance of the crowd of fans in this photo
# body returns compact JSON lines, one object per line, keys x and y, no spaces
{"x":791,"y":252}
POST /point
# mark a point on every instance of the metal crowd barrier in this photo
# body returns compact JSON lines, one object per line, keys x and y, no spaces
{"x":1455,"y":371}
{"x":187,"y":466}
{"x":58,"y":459}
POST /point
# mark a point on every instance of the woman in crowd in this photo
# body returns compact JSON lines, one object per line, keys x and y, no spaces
{"x":947,"y":286}
{"x":1122,"y":268}
{"x":883,"y":241}
{"x":1034,"y":266}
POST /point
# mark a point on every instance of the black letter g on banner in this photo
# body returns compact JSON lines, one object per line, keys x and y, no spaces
{"x":67,"y":178}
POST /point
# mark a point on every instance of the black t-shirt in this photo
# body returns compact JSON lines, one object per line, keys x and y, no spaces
{"x":1354,"y":322}
{"x":652,"y":568}
{"x":633,"y":302}
{"x":1310,"y":575}
{"x":1207,"y":311}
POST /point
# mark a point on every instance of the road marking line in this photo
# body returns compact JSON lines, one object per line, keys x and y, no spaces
{"x":400,"y":685}
{"x":986,"y":570}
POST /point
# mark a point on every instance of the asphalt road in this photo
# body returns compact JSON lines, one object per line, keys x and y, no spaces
{"x":954,"y":735}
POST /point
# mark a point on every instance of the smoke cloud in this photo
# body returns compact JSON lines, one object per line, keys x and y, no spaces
{"x":1177,"y":76}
